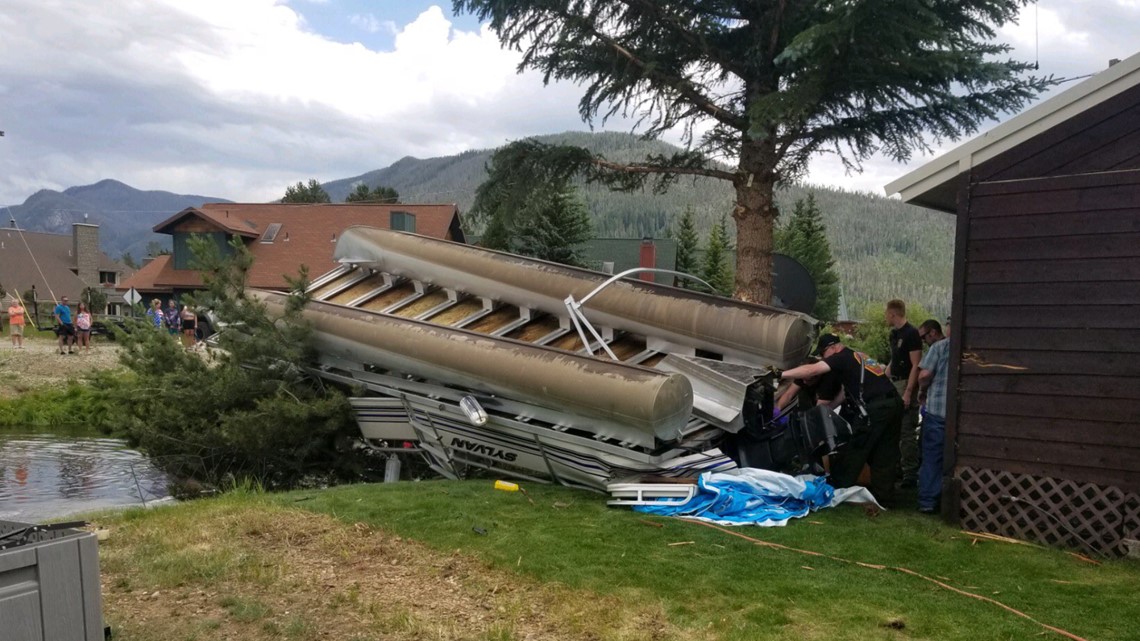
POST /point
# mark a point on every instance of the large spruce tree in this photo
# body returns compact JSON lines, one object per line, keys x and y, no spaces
{"x":767,"y":83}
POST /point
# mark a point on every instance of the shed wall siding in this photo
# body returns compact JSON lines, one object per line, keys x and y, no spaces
{"x":1104,"y":138}
{"x":1049,"y":378}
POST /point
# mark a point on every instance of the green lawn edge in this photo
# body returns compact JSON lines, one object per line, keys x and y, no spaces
{"x":733,"y":589}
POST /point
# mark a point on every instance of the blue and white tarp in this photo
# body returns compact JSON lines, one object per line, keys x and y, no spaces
{"x":757,"y":497}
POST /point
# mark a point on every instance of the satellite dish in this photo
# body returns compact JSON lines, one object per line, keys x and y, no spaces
{"x":792,"y":286}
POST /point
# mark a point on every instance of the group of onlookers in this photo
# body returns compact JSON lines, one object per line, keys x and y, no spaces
{"x":180,"y":321}
{"x":73,"y":331}
{"x":884,"y":403}
{"x":72,"y":334}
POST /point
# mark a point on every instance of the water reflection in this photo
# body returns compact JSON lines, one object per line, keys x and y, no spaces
{"x":46,"y":475}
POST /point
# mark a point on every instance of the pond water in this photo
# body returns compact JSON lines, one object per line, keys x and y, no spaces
{"x":53,"y":474}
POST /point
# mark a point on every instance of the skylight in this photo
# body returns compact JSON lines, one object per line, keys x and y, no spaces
{"x":271,"y":232}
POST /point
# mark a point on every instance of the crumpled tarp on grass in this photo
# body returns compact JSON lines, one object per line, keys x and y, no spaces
{"x":757,"y":497}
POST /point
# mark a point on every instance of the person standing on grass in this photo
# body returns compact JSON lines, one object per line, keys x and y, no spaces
{"x":64,"y":329}
{"x":83,"y":326}
{"x":933,"y":372}
{"x":16,"y":323}
{"x":173,"y":318}
{"x":906,"y":351}
{"x":155,"y":315}
{"x":189,"y":327}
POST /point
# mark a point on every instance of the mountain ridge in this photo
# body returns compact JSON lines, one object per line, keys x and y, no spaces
{"x":125,"y":215}
{"x":883,"y":248}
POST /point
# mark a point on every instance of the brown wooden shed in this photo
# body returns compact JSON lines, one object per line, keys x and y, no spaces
{"x":1043,"y":425}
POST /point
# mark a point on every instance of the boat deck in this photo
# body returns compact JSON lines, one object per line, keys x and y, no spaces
{"x":361,"y":288}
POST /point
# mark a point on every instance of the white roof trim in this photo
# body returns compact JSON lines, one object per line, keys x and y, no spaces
{"x":1085,"y":95}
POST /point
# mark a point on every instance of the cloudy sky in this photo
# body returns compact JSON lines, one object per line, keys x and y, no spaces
{"x":238,"y":98}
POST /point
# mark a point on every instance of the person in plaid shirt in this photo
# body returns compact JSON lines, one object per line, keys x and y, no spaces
{"x":173,"y":318}
{"x":932,"y":374}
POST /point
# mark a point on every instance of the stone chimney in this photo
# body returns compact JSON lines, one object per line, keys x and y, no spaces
{"x":85,"y":249}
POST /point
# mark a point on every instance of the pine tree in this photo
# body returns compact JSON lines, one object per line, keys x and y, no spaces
{"x":380,"y":194}
{"x":716,"y":271}
{"x":775,"y":81}
{"x":543,"y":219}
{"x":310,"y":193}
{"x":805,"y":239}
{"x":555,"y":230}
{"x":687,"y":247}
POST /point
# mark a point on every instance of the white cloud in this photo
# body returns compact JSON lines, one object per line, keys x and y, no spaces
{"x":206,"y":95}
{"x":1037,"y":25}
{"x":372,"y":24}
{"x":238,"y":98}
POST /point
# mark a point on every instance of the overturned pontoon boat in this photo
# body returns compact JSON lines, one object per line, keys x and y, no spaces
{"x":549,"y":372}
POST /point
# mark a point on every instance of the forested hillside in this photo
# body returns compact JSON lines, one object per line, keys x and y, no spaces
{"x":884,"y":248}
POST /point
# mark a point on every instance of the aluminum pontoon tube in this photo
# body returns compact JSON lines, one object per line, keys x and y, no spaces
{"x":745,"y":332}
{"x":614,"y":400}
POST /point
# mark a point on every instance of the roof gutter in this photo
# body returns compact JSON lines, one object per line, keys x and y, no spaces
{"x":915,"y":187}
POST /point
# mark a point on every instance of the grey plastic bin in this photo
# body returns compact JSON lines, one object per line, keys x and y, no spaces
{"x":49,"y":585}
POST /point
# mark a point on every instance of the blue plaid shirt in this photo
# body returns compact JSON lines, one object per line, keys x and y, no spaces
{"x":937,"y":360}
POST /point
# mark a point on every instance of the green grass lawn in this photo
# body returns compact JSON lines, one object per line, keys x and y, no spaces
{"x":727,"y":588}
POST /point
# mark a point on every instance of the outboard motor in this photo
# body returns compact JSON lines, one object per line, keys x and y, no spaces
{"x":792,"y":443}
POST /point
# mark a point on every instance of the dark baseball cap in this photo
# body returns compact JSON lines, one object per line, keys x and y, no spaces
{"x":825,"y":341}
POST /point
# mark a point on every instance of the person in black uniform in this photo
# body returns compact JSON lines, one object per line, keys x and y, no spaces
{"x":847,"y":377}
{"x":800,"y":392}
{"x":906,"y":352}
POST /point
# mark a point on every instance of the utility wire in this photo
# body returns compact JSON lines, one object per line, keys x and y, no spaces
{"x":1036,"y":37}
{"x":1061,"y":81}
{"x":34,"y":261}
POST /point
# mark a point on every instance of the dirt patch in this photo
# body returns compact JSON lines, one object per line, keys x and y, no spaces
{"x":39,"y":364}
{"x":270,"y":573}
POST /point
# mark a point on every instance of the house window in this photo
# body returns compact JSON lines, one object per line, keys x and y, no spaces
{"x":184,"y":258}
{"x":402,"y":221}
{"x":107,"y":278}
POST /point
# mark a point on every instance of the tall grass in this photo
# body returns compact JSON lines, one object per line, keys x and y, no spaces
{"x":75,"y":404}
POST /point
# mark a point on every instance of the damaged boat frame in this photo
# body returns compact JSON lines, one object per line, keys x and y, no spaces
{"x":541,"y":371}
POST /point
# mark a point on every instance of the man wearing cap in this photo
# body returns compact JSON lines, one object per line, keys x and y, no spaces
{"x":64,"y":329}
{"x":932,"y":377}
{"x":855,"y":381}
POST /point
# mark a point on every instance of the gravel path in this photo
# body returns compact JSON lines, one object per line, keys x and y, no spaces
{"x":39,"y":364}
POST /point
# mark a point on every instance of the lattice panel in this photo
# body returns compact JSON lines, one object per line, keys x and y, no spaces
{"x":1047,"y":510}
{"x":1132,"y":517}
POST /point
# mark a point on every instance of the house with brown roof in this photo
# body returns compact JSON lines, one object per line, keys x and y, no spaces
{"x":57,"y":265}
{"x":281,"y":238}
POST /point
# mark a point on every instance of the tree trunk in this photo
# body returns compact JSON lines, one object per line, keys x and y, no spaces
{"x":755,"y":214}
